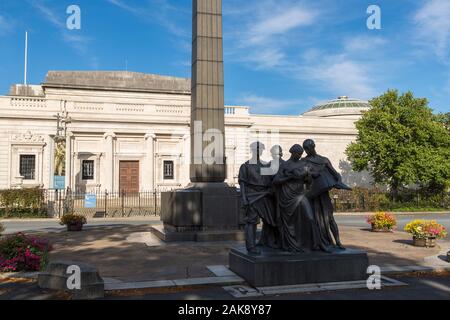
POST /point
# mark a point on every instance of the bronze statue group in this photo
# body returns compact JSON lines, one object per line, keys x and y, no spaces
{"x":291,"y":198}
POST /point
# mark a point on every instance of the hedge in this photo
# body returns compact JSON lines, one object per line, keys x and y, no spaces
{"x":371,"y":200}
{"x":22,"y":203}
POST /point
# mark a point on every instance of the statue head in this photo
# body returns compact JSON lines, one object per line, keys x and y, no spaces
{"x":276,"y":152}
{"x":296,"y":152}
{"x":310,"y":147}
{"x":257,"y":148}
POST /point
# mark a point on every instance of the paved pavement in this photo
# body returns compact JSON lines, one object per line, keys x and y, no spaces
{"x":52,"y":225}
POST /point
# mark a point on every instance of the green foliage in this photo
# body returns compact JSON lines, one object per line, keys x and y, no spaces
{"x":22,"y":203}
{"x":373,"y":200}
{"x":360,"y":199}
{"x":400,"y":142}
{"x":443,"y":118}
{"x":2,"y":228}
{"x":68,"y":219}
{"x":22,"y":252}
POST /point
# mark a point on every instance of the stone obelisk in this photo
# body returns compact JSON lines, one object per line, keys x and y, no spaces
{"x":208,"y":210}
{"x":207,"y":100}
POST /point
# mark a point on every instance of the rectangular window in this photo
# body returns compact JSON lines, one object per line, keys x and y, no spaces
{"x":88,"y":170}
{"x":28,"y":166}
{"x":168,"y":170}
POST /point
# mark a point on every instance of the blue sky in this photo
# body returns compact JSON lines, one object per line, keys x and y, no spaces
{"x":281,"y":56}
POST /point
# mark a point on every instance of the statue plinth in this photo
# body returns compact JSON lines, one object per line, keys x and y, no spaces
{"x":278,"y":268}
{"x":201,"y":212}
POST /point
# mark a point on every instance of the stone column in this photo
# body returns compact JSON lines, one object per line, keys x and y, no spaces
{"x":185,"y":160}
{"x":149,"y":173}
{"x":109,"y":161}
{"x":207,"y":100}
{"x":98,"y":176}
{"x":50,"y":183}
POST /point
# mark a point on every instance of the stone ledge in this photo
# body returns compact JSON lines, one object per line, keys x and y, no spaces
{"x":164,"y":284}
{"x":275,"y":268}
{"x":55,"y":278}
{"x":197,"y":236}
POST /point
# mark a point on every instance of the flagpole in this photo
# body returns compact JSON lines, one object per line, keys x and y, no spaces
{"x":26,"y":58}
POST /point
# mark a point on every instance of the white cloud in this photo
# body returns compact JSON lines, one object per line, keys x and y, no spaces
{"x":78,"y":42}
{"x":278,"y":23}
{"x":267,"y":58}
{"x":259,"y":104}
{"x":73,"y":38}
{"x":432,"y":22}
{"x":49,"y":15}
{"x":433,"y":26}
{"x":353,"y":71}
{"x":343,"y":76}
{"x":361,"y":44}
{"x":261,"y":39}
{"x":161,"y":12}
{"x":122,"y":5}
{"x":267,"y":43}
{"x":5,"y":25}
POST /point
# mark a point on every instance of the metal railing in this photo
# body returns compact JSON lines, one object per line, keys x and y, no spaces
{"x":123,"y":204}
{"x":103,"y":204}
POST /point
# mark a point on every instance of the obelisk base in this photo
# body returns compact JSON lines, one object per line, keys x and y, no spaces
{"x":202,"y":212}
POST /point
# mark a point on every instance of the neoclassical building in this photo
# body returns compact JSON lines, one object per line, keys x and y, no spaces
{"x":131,"y":131}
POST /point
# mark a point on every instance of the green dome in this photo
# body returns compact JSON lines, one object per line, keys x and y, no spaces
{"x":341,"y":102}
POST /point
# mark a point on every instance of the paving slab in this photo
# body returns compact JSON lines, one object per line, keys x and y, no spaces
{"x":243,"y":292}
{"x":209,"y":281}
{"x":332,"y":286}
{"x":139,"y":285}
{"x":221,"y":271}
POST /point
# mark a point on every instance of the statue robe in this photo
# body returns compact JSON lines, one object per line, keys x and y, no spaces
{"x":261,"y":201}
{"x":299,"y":231}
{"x":326,"y":179}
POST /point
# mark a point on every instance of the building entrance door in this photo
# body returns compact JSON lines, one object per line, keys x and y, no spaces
{"x":129,"y":176}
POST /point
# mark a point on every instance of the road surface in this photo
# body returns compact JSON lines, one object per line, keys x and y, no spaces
{"x":41,"y":225}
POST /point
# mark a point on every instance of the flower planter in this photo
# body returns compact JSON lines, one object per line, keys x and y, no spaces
{"x":73,"y":222}
{"x":429,"y":242}
{"x":382,"y":230}
{"x":73,"y":227}
{"x":382,"y":222}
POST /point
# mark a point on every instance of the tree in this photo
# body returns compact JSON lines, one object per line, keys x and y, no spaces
{"x":400,"y":142}
{"x":444,"y":118}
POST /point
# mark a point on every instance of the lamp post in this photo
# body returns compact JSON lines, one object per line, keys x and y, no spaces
{"x":63,"y":120}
